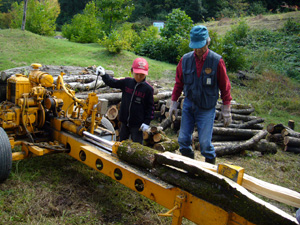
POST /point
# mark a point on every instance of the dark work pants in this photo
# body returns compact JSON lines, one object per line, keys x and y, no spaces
{"x":134,"y":133}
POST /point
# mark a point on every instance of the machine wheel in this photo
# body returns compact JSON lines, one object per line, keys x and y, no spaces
{"x":5,"y":156}
{"x":107,"y":125}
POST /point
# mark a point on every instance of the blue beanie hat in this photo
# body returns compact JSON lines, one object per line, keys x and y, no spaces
{"x":198,"y":37}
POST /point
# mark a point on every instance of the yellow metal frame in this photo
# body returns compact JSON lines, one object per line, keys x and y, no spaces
{"x":181,"y":203}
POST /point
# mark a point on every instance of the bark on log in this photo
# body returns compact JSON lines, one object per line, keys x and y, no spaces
{"x":275,"y":128}
{"x":165,"y":123}
{"x":221,"y":151}
{"x":217,"y":137}
{"x":277,"y":138}
{"x":289,"y":132}
{"x":292,"y":149}
{"x":235,"y":125}
{"x":137,"y":154}
{"x":291,"y":141}
{"x":247,"y":133}
{"x":291,"y":124}
{"x":243,"y":111}
{"x":224,"y":193}
{"x":265,"y":147}
{"x":162,"y":95}
{"x":169,"y":145}
{"x":111,"y":97}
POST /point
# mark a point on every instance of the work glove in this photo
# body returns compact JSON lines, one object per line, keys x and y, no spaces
{"x":144,"y":127}
{"x":100,"y":71}
{"x":226,"y":115}
{"x":173,"y":108}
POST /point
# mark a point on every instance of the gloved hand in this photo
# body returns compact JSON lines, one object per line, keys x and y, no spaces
{"x":226,"y":115}
{"x":100,"y":71}
{"x":144,"y":127}
{"x":173,"y":107}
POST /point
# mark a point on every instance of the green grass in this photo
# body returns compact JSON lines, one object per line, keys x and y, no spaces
{"x":60,"y":190}
{"x":20,"y":48}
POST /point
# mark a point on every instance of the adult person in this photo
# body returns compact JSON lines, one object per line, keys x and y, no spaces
{"x":200,"y":74}
{"x":137,"y":104}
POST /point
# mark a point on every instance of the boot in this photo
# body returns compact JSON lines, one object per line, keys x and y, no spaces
{"x":211,"y":161}
{"x":187,"y":152}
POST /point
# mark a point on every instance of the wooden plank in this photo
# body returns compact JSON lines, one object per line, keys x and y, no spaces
{"x":253,"y":184}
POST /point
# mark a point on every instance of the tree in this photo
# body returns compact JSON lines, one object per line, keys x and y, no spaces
{"x":113,"y":12}
{"x":41,"y":16}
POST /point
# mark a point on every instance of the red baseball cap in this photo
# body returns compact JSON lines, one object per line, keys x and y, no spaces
{"x":140,"y":65}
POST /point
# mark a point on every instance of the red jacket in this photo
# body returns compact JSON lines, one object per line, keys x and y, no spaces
{"x":223,"y":80}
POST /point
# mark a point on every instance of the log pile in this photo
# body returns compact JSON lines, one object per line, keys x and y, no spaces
{"x":155,"y":138}
{"x":284,"y":136}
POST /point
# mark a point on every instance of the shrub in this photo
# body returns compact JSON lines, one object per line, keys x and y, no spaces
{"x":84,"y":28}
{"x":5,"y":20}
{"x":124,"y":38}
{"x":291,"y":27}
{"x":177,"y":23}
{"x":40,"y":16}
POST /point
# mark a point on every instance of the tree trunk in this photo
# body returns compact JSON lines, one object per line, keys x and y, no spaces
{"x":24,"y":15}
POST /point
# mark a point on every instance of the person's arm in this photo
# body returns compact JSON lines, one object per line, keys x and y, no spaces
{"x":114,"y":83}
{"x":178,"y":86}
{"x":224,"y":86}
{"x":108,"y":80}
{"x":149,"y":107}
{"x":224,"y":83}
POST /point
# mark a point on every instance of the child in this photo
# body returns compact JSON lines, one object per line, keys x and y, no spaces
{"x":137,"y":104}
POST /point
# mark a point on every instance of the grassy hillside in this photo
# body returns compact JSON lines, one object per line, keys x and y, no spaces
{"x":59,"y":190}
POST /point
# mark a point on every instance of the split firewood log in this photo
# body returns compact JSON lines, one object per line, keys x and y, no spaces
{"x":234,"y":149}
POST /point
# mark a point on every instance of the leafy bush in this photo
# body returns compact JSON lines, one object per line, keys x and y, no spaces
{"x":233,"y":54}
{"x":177,"y":23}
{"x":40,"y":17}
{"x":5,"y":20}
{"x":257,"y":8}
{"x":84,"y":28}
{"x":124,"y":38}
{"x":291,"y":27}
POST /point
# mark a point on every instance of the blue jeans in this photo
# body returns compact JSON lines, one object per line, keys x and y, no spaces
{"x":204,"y":120}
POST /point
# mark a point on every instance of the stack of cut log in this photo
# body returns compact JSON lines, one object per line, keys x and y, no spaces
{"x":155,"y":138}
{"x":284,"y":136}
